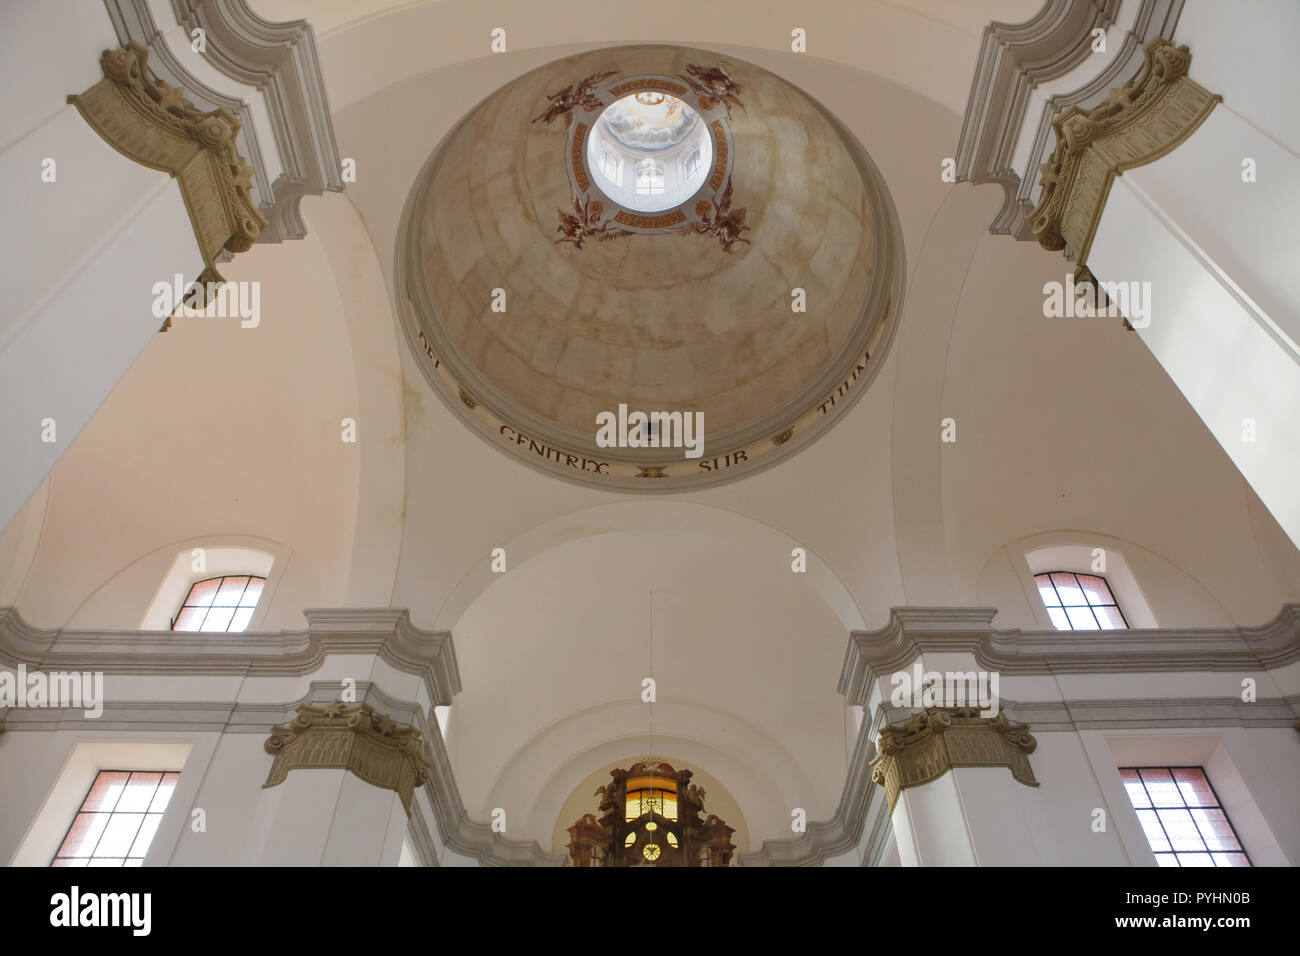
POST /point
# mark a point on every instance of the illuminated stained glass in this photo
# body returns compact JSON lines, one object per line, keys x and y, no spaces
{"x":651,"y":796}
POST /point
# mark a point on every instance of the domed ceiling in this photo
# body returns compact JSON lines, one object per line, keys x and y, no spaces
{"x":547,"y":314}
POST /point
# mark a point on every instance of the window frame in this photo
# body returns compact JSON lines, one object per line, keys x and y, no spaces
{"x":609,"y":159}
{"x":655,"y":173}
{"x":688,"y":167}
{"x":1217,"y":805}
{"x":1088,"y":605}
{"x":222,"y":555}
{"x":127,"y":860}
{"x":222,"y":578}
{"x":1078,"y":551}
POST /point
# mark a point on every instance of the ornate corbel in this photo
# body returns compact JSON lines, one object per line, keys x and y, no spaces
{"x":353,"y":738}
{"x":154,"y":124}
{"x":928,"y":744}
{"x":1145,"y":119}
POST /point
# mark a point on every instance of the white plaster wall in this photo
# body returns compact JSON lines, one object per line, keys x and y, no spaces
{"x":217,"y":432}
{"x":1223,"y":358}
{"x":52,"y":50}
{"x":1243,"y":51}
{"x":79,"y":294}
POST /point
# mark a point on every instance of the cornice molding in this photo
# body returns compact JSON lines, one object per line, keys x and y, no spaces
{"x":153,"y":123}
{"x":422,"y":843}
{"x":913,"y":631}
{"x":352,"y":737}
{"x":386,"y":632}
{"x":451,"y":823}
{"x":861,"y":818}
{"x":862,"y":809}
{"x":469,"y":837}
{"x":1154,"y":713}
{"x":133,"y":22}
{"x":932,"y":742}
{"x":1146,"y":118}
{"x":1014,"y":60}
{"x":280,"y":61}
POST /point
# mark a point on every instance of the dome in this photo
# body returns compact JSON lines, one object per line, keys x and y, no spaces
{"x":539,"y":298}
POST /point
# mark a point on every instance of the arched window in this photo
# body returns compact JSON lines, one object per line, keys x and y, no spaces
{"x":1079,"y":602}
{"x":649,"y":178}
{"x":217,"y":559}
{"x":219,"y":604}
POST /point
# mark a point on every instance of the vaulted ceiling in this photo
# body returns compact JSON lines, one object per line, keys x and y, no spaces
{"x":1061,"y":425}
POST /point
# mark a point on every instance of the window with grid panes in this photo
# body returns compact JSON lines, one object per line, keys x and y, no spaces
{"x":220,"y":604}
{"x":1182,"y":817}
{"x":118,"y":819}
{"x":1079,"y":602}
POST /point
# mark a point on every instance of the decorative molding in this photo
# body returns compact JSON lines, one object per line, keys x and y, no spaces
{"x":862,"y":810}
{"x":354,"y":738}
{"x":1154,"y":712}
{"x":930,"y":743}
{"x":386,"y":632}
{"x":464,"y":835}
{"x":1145,"y":119}
{"x":154,"y":124}
{"x":708,"y":90}
{"x":911,"y":631}
{"x":567,"y":453}
{"x":133,"y":21}
{"x":422,"y":842}
{"x":279,"y":60}
{"x":226,"y":717}
{"x":1015,"y":60}
{"x":861,"y":819}
{"x":1155,"y":18}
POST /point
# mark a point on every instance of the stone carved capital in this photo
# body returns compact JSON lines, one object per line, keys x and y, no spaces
{"x":352,"y":737}
{"x":928,"y":744}
{"x":155,"y":125}
{"x":1141,"y":121}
